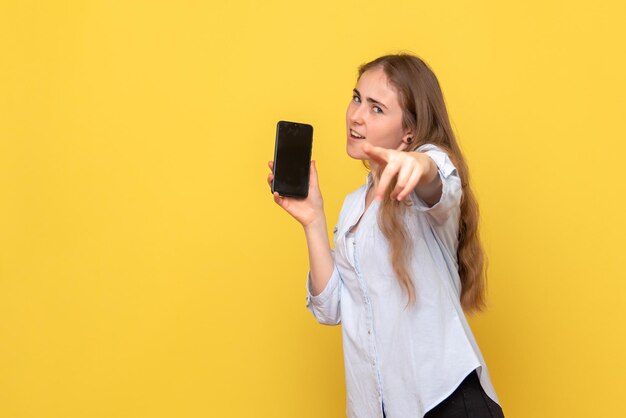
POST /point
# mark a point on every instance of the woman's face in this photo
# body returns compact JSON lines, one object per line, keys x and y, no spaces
{"x":375,"y":114}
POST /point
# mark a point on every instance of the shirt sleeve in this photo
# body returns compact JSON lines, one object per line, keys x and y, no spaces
{"x":326,"y":306}
{"x":450,"y":199}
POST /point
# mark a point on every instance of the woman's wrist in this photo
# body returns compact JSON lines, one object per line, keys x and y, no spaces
{"x":317,"y":224}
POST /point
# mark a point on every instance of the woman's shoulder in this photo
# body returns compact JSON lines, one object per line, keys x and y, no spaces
{"x":354,"y":195}
{"x":428,"y":145}
{"x":359,"y":191}
{"x":440,"y":156}
{"x":353,"y":198}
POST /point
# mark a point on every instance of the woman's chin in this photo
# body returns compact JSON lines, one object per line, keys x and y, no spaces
{"x":354,"y":151}
{"x":358,"y":156}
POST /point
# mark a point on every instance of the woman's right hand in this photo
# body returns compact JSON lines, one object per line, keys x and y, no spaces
{"x":307,"y":210}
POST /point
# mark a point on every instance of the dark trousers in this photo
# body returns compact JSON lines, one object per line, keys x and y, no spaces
{"x":468,"y":400}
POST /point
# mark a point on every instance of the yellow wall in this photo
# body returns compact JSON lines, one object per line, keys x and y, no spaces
{"x":145,"y":270}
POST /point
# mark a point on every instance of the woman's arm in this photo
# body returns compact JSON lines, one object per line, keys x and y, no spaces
{"x":429,"y":186}
{"x":415,"y":171}
{"x":309,"y":212}
{"x":320,"y":259}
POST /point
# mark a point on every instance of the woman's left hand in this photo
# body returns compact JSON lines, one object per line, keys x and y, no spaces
{"x":412,"y":168}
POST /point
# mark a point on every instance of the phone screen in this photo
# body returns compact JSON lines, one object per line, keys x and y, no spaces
{"x":292,"y":158}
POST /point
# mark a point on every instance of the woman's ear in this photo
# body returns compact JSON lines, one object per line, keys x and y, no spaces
{"x":407,"y":141}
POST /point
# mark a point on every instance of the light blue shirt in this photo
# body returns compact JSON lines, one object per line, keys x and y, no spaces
{"x":407,"y":359}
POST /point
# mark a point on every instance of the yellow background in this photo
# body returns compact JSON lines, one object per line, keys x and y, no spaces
{"x":145,"y":270}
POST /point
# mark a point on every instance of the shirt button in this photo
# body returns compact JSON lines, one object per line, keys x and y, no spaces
{"x":369,"y":331}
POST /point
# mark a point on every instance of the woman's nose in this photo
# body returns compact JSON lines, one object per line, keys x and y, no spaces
{"x":356,"y":115}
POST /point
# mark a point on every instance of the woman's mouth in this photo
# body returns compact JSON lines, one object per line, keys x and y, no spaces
{"x":355,"y":135}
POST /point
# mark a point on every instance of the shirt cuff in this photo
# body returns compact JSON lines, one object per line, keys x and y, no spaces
{"x":326,"y":305}
{"x":451,"y":189}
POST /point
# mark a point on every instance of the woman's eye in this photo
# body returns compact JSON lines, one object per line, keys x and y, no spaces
{"x":356,"y":98}
{"x":376,"y":107}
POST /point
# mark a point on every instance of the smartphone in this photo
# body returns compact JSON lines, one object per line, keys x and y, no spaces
{"x":292,"y":158}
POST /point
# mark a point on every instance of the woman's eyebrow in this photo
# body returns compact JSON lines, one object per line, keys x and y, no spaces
{"x":369,"y":99}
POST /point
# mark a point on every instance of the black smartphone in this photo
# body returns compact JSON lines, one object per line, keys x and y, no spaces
{"x":292,"y":158}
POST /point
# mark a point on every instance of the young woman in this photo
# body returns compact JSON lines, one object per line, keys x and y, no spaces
{"x":407,"y":260}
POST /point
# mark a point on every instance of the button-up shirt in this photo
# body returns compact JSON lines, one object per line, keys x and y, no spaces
{"x":406,"y":360}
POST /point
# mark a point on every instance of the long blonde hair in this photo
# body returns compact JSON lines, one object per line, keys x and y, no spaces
{"x":425,"y":114}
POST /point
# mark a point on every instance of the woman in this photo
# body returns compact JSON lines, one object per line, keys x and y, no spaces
{"x":407,"y":260}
